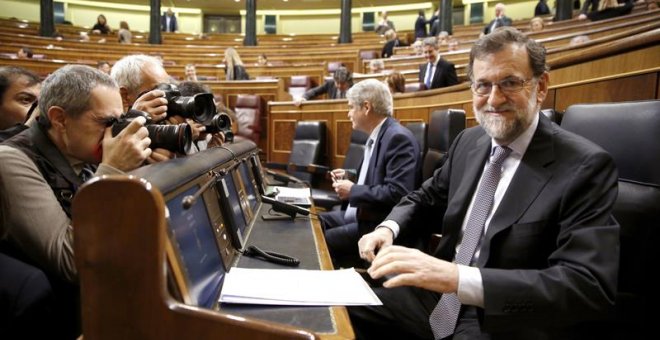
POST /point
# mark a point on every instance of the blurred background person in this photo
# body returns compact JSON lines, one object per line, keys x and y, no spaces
{"x":541,"y":8}
{"x":103,"y":66}
{"x":420,"y":25}
{"x":385,"y":24}
{"x":579,"y":39}
{"x":262,"y":60}
{"x":536,"y":24}
{"x":396,"y":82}
{"x":452,"y":45}
{"x":500,"y":19}
{"x":392,"y":42}
{"x":608,"y":9}
{"x":342,"y":80}
{"x":124,"y":34}
{"x":437,"y":72}
{"x":168,"y":22}
{"x":376,"y":66}
{"x":24,"y":53}
{"x":191,"y":73}
{"x":101,"y":26}
{"x":234,"y":68}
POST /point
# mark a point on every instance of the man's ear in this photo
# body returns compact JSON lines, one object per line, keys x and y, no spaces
{"x":542,"y":88}
{"x":125,"y":98}
{"x":368,"y":107}
{"x":57,"y":117}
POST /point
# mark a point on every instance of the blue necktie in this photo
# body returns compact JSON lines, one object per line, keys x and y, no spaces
{"x":351,"y":212}
{"x":445,"y":314}
{"x":429,"y":74}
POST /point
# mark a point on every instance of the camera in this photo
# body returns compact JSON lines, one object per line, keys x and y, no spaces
{"x":176,"y":138}
{"x":199,"y":107}
{"x":221,"y":122}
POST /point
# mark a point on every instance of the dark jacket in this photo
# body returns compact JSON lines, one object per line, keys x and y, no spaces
{"x":499,"y":22}
{"x":420,"y":27}
{"x":240,"y":73}
{"x":445,"y":74}
{"x":173,"y":24}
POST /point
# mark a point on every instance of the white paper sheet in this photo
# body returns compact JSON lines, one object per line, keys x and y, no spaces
{"x":301,"y":287}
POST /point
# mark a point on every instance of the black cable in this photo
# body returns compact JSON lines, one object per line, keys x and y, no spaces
{"x":271,"y":256}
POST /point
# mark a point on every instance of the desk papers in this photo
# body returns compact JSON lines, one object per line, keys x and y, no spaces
{"x":298,"y":287}
{"x":296,"y":196}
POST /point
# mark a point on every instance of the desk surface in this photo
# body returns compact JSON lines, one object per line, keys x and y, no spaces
{"x":301,"y":238}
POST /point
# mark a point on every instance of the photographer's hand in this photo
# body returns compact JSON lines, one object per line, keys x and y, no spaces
{"x":153,"y":103}
{"x":129,"y":148}
{"x":160,"y":155}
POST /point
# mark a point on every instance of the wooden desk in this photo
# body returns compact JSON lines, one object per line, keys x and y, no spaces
{"x":121,"y":234}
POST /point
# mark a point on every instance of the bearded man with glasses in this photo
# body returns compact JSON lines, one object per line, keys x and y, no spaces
{"x":528,"y":248}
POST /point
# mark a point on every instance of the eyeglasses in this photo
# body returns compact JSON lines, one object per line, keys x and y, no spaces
{"x":507,"y":86}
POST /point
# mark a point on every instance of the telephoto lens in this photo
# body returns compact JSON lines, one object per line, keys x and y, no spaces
{"x":199,"y":107}
{"x":176,"y":138}
{"x":221,"y":122}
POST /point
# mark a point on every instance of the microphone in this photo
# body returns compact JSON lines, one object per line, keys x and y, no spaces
{"x":190,"y":200}
{"x":285,"y":208}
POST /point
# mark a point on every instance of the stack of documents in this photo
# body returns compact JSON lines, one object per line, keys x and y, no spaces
{"x":296,"y":196}
{"x":297,"y":287}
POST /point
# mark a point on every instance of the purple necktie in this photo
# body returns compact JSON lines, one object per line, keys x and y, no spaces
{"x":445,"y":314}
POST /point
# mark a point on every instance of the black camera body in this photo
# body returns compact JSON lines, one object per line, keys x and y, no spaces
{"x":176,"y":138}
{"x":199,"y":107}
{"x":221,"y":122}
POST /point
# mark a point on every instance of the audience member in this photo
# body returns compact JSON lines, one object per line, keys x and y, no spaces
{"x":384,"y":25}
{"x":541,"y":8}
{"x":19,"y":90}
{"x":396,"y":82}
{"x":443,"y":38}
{"x":44,"y":165}
{"x":610,"y":9}
{"x":434,"y":24}
{"x":124,"y":34}
{"x":376,"y":66}
{"x":262,"y":60}
{"x":103,"y":66}
{"x":84,"y":36}
{"x":437,"y":72}
{"x":452,"y":45}
{"x":593,"y":4}
{"x":499,"y":21}
{"x":24,"y":53}
{"x":392,"y":42}
{"x":390,"y":169}
{"x":538,"y":264}
{"x":168,"y":22}
{"x":191,"y":73}
{"x":417,"y":47}
{"x":336,"y":88}
{"x":234,"y":69}
{"x":101,"y":26}
{"x":420,"y":25}
{"x":536,"y":24}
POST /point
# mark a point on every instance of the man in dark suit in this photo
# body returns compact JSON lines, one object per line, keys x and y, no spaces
{"x":437,"y":72}
{"x":500,"y":20}
{"x":168,"y":22}
{"x":336,"y":88}
{"x":420,"y":25}
{"x":529,"y":249}
{"x":390,"y":169}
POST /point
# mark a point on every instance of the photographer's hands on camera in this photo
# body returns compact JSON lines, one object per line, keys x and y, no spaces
{"x":128,"y":149}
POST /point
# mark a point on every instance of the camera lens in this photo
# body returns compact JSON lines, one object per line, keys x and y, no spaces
{"x":199,"y":107}
{"x":220,"y":122}
{"x":176,"y":138}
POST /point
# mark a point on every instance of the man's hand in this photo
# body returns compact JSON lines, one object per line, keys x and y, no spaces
{"x":337,"y":174}
{"x":153,"y":103}
{"x":298,"y":101}
{"x":129,"y":148}
{"x":160,"y":155}
{"x":371,"y":243}
{"x":411,"y":267}
{"x":343,"y":188}
{"x":582,"y":16}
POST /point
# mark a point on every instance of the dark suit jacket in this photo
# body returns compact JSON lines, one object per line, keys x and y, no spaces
{"x":445,"y":74}
{"x":327,"y":88}
{"x":503,"y":21}
{"x":173,"y":24}
{"x":420,"y":27}
{"x":394,"y":171}
{"x":549,"y":259}
{"x":388,"y":48}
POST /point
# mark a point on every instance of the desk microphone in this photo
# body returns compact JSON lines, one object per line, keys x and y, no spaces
{"x":285,"y":208}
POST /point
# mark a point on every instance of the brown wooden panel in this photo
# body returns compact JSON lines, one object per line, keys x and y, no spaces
{"x":612,"y":90}
{"x":283,"y":132}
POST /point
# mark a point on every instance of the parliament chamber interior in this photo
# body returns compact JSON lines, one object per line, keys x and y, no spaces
{"x":154,"y":245}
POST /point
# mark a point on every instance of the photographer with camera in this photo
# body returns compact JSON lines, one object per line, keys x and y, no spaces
{"x":145,"y":86}
{"x":43,"y":166}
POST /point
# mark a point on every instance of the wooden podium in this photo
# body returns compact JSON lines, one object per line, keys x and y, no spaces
{"x":121,"y":236}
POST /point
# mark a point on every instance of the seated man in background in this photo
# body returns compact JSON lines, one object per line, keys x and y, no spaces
{"x":43,"y":166}
{"x":500,"y":20}
{"x":529,"y":248}
{"x":390,"y":169}
{"x":19,"y":89}
{"x":24,"y":53}
{"x":437,"y":72}
{"x":336,"y":88}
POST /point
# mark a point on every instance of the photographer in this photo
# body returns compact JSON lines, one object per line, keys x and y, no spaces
{"x":44,"y":166}
{"x":141,"y":81}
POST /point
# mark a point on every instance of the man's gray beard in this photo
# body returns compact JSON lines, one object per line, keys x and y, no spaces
{"x":499,"y":128}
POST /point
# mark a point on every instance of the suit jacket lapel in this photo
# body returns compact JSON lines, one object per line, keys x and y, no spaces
{"x":474,"y":166}
{"x":528,"y":181}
